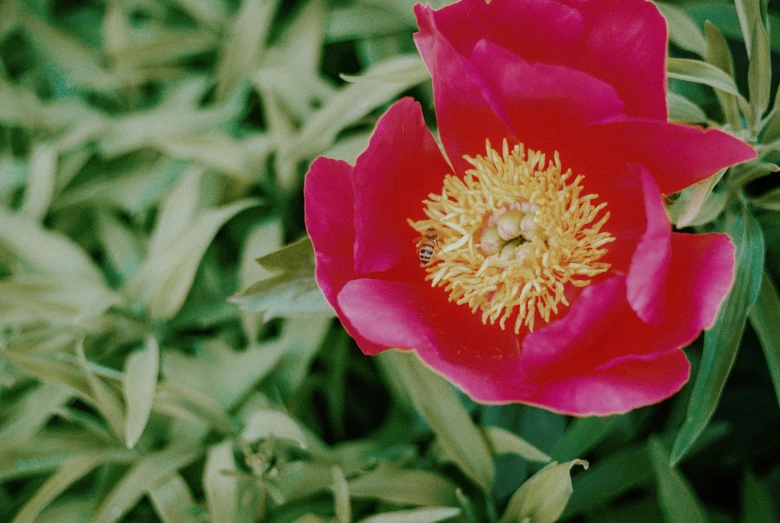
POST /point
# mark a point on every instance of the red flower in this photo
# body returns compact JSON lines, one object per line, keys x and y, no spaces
{"x":555,"y":280}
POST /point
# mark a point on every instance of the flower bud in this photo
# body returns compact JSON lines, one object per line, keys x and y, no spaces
{"x":489,"y":241}
{"x":510,"y":225}
{"x":508,"y":250}
{"x":528,"y":227}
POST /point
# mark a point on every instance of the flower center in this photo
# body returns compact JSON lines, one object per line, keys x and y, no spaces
{"x":512,"y":235}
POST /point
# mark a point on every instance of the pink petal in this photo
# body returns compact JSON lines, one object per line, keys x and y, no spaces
{"x":676,"y":155}
{"x":329,"y":214}
{"x":464,"y":117}
{"x":482,"y":360}
{"x":622,"y":42}
{"x":400,"y":168}
{"x":540,"y":100}
{"x":701,"y":275}
{"x":629,"y":384}
{"x":646,"y":281}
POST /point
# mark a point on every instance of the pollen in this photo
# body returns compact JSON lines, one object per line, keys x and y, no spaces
{"x":514,"y":234}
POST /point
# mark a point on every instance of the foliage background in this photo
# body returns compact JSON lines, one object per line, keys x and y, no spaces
{"x":150,"y":150}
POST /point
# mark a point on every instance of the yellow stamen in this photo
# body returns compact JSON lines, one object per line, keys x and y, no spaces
{"x":557,"y":238}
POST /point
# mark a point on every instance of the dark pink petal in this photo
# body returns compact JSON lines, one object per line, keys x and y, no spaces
{"x":329,"y":214}
{"x":676,"y":155}
{"x":646,"y":281}
{"x":482,"y":359}
{"x":626,"y":46}
{"x":622,"y":42}
{"x":464,"y":117}
{"x":400,"y":168}
{"x":630,"y":383}
{"x":701,"y":275}
{"x":539,"y":101}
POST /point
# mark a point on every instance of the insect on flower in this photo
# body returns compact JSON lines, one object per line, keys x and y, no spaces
{"x":427,"y":245}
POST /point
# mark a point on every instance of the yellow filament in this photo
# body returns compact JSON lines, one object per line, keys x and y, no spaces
{"x":564,"y":250}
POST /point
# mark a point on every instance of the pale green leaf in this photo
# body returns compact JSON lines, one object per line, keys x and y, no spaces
{"x":457,"y":434}
{"x":240,"y":56}
{"x":504,"y":442}
{"x":722,"y":341}
{"x":263,"y":424}
{"x":31,"y":413}
{"x":769,"y":201}
{"x":703,"y":73}
{"x":342,"y":507}
{"x":701,"y":191}
{"x":677,"y":499}
{"x":68,"y":474}
{"x":418,"y":515}
{"x":543,"y":497}
{"x":683,"y":110}
{"x":759,"y":70}
{"x":32,"y":247}
{"x":177,"y":211}
{"x":262,"y":240}
{"x":683,"y":31}
{"x":166,"y":278}
{"x":220,"y":485}
{"x":719,"y":55}
{"x":405,"y":487}
{"x":293,"y":292}
{"x":142,"y":476}
{"x":107,"y":399}
{"x":141,"y":370}
{"x":765,"y":318}
{"x":41,"y":178}
{"x":173,"y":501}
{"x":749,"y":14}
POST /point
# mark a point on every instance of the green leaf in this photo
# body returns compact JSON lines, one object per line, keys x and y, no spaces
{"x":722,"y":341}
{"x":245,"y":44}
{"x":719,"y":55}
{"x":106,"y":398}
{"x":701,"y":192}
{"x":749,"y":14}
{"x":65,"y":476}
{"x":173,"y":501}
{"x":609,"y":477}
{"x":264,"y":424}
{"x":342,"y":507}
{"x":543,"y":497}
{"x":141,"y":370}
{"x":683,"y":31}
{"x":683,"y":110}
{"x":769,"y":201}
{"x":504,"y":442}
{"x":759,"y":71}
{"x":582,"y":435}
{"x":675,"y":495}
{"x":46,"y":252}
{"x":167,"y":276}
{"x":293,"y":291}
{"x":405,"y":487}
{"x":702,"y":73}
{"x":457,"y":434}
{"x":220,"y":485}
{"x":765,"y":319}
{"x":757,"y":504}
{"x":31,"y":413}
{"x":142,"y":476}
{"x":41,"y":177}
{"x":418,"y":515}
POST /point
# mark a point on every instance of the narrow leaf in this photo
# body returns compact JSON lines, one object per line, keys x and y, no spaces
{"x":759,"y":71}
{"x":504,"y":442}
{"x":765,"y":319}
{"x":221,"y":488}
{"x":341,"y":496}
{"x":581,"y":436}
{"x":439,"y":405}
{"x":683,"y":31}
{"x":722,"y":341}
{"x":263,"y":424}
{"x":675,"y":495}
{"x":702,"y":73}
{"x":404,"y":487}
{"x":418,"y":515}
{"x":173,"y":501}
{"x":141,"y":370}
{"x":719,"y":55}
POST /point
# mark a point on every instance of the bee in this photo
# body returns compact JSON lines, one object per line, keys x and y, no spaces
{"x":427,"y":246}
